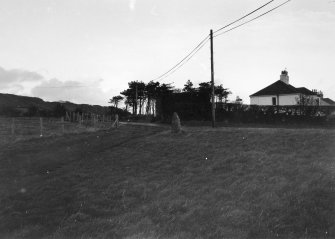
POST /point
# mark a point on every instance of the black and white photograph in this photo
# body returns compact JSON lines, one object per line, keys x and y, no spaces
{"x":167,"y":119}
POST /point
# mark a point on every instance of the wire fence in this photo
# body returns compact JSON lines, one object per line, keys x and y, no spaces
{"x":20,"y":128}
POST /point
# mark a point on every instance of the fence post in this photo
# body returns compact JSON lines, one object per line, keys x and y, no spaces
{"x":67,"y":116}
{"x":62,"y":122}
{"x":41,"y":126}
{"x":117,"y":120}
{"x":13,"y":126}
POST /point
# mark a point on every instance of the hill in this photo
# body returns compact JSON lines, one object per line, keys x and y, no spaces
{"x":16,"y":105}
{"x":13,"y":101}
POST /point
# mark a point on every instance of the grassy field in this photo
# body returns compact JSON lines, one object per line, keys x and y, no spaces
{"x":144,"y":182}
{"x":13,"y":129}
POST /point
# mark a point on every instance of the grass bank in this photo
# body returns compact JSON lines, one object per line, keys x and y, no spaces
{"x":143,"y":182}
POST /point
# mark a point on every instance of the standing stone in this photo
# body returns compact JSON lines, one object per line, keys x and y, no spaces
{"x":175,"y":126}
{"x":116,"y":120}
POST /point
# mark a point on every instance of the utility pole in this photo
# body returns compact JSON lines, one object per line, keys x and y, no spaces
{"x":136,"y":95}
{"x":212,"y":79}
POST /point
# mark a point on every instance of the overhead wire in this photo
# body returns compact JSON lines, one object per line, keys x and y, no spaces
{"x":243,"y":17}
{"x":195,"y":49}
{"x":204,"y":41}
{"x":185,"y":60}
{"x":253,"y":19}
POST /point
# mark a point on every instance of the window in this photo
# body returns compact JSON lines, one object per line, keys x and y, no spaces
{"x":274,"y":101}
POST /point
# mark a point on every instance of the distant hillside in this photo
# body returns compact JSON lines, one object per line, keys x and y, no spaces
{"x":13,"y":101}
{"x":15,"y":105}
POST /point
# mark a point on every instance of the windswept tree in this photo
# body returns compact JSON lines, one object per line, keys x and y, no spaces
{"x":147,"y":98}
{"x":163,"y":93}
{"x":151,"y":90}
{"x":130,"y":99}
{"x":135,"y":95}
{"x":116,"y":100}
{"x":205,"y":87}
{"x":164,"y":89}
{"x":127,"y":104}
{"x":188,"y":87}
{"x":221,"y":93}
{"x":141,"y":95}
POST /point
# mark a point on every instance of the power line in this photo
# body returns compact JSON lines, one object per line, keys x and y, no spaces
{"x":201,"y":44}
{"x":185,"y":60}
{"x":192,"y":55}
{"x":182,"y":60}
{"x":243,"y":17}
{"x":253,"y":18}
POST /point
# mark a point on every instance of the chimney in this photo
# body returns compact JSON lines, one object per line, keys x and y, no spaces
{"x":284,"y":77}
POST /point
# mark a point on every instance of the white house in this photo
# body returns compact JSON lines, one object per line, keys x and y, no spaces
{"x":282,"y":93}
{"x":327,"y":102}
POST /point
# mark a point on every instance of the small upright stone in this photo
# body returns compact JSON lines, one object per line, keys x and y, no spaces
{"x":116,"y":123}
{"x":175,"y":126}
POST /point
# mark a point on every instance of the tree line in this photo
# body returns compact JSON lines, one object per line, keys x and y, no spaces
{"x":141,"y":98}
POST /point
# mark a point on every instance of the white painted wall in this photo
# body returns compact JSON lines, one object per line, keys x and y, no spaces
{"x":283,"y":99}
{"x":288,"y":99}
{"x":261,"y":100}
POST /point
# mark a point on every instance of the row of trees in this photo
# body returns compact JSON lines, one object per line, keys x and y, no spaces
{"x":142,"y":97}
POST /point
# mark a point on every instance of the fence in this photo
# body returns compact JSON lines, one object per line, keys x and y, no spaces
{"x":12,"y":129}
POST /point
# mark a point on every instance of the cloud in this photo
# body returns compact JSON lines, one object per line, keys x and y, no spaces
{"x":18,"y":75}
{"x":15,"y":81}
{"x":73,"y":91}
{"x":30,"y":83}
{"x":132,"y":5}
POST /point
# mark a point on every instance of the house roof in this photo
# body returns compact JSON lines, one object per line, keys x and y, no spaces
{"x":305,"y":91}
{"x":280,"y":87}
{"x":329,"y":101}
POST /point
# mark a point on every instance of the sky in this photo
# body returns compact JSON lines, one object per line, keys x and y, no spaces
{"x":86,"y":51}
